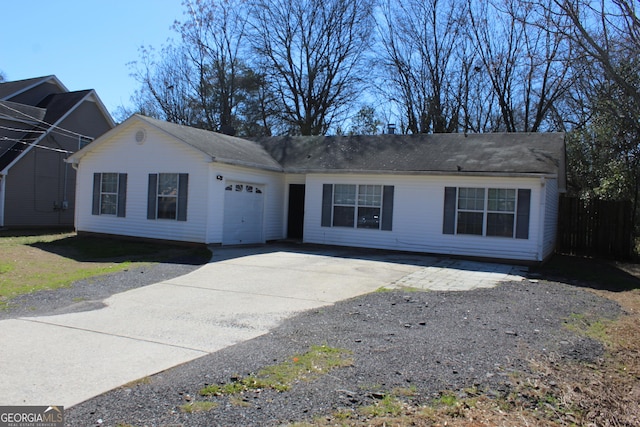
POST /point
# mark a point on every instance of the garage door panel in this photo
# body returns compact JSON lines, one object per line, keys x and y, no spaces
{"x":243,"y":214}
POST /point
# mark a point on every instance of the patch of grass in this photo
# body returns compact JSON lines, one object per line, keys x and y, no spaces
{"x":319,"y":360}
{"x":6,"y":267}
{"x":30,"y":262}
{"x":447,"y":399}
{"x":388,"y":405}
{"x":198,"y":406}
{"x":410,"y":391}
{"x":343,"y":414}
{"x":589,"y":326}
{"x":239,"y":402}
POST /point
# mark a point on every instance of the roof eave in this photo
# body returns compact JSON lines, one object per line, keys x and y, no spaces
{"x":429,"y":173}
{"x":39,"y":82}
{"x":103,"y":109}
{"x":232,"y":162}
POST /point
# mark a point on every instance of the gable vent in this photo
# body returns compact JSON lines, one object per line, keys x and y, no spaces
{"x":141,"y":135}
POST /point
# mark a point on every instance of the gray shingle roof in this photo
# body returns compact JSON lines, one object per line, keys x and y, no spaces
{"x":474,"y":154}
{"x":59,"y":104}
{"x":21,"y":111}
{"x":504,"y":153}
{"x":8,"y":89}
{"x":224,"y":148}
{"x":49,"y":111}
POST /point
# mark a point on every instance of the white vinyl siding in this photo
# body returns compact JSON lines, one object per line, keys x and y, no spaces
{"x":418,"y":217}
{"x":159,"y":153}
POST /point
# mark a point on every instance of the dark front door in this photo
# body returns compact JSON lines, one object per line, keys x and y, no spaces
{"x":296,"y":211}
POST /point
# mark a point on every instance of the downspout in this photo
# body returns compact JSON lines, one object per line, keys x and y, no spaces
{"x":3,"y":180}
{"x":74,"y":165}
{"x":542,"y":221}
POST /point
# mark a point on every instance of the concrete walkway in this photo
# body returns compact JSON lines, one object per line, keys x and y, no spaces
{"x":241,"y":294}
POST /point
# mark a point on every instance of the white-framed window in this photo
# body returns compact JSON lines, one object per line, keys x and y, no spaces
{"x":470,"y":211}
{"x":357,"y":206}
{"x":501,"y":212}
{"x":109,"y":193}
{"x":496,"y":212}
{"x":168,"y":196}
{"x":83,"y":141}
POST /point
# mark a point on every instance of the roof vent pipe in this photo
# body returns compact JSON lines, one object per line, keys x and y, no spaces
{"x":391,"y":128}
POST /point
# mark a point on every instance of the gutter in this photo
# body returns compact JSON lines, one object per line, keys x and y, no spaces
{"x":3,"y":180}
{"x":545,"y":175}
{"x":247,"y":164}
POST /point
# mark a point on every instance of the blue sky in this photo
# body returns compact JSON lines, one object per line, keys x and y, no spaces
{"x":85,"y":43}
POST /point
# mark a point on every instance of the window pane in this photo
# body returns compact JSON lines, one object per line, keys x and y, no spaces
{"x":108,"y":204}
{"x":168,"y":184}
{"x":109,"y":183}
{"x":344,"y":194}
{"x":167,"y":207}
{"x":369,"y":195}
{"x":500,"y":224}
{"x":470,"y":223}
{"x":471,"y":199}
{"x":369,"y":218}
{"x":501,"y":200}
{"x":343,"y":216}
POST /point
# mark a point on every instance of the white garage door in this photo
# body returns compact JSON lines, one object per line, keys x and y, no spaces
{"x":243,"y":208}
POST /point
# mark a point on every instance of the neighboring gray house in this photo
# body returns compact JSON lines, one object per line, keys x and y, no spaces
{"x":41,"y":123}
{"x":481,"y":195}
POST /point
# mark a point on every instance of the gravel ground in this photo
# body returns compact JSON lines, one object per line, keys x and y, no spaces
{"x":429,"y":341}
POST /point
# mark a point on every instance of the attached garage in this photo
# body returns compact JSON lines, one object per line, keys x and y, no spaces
{"x":243,"y":214}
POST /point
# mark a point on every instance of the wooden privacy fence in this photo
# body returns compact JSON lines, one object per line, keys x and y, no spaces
{"x":595,"y":228}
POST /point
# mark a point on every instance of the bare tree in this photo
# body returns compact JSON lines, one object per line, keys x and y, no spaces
{"x":605,"y":140}
{"x":312,"y":50}
{"x":526,"y":65}
{"x":165,"y":91}
{"x":213,"y":34}
{"x":605,"y":32}
{"x":424,"y":53}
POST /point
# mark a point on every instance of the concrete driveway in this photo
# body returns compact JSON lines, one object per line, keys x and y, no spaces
{"x":241,"y":294}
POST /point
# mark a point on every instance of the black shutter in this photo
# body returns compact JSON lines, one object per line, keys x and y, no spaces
{"x":97,"y":180}
{"x":152,"y":196}
{"x":327,"y":196}
{"x":387,"y":207}
{"x":122,"y":195}
{"x":449,"y":221}
{"x":522,"y":216}
{"x":183,"y":192}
